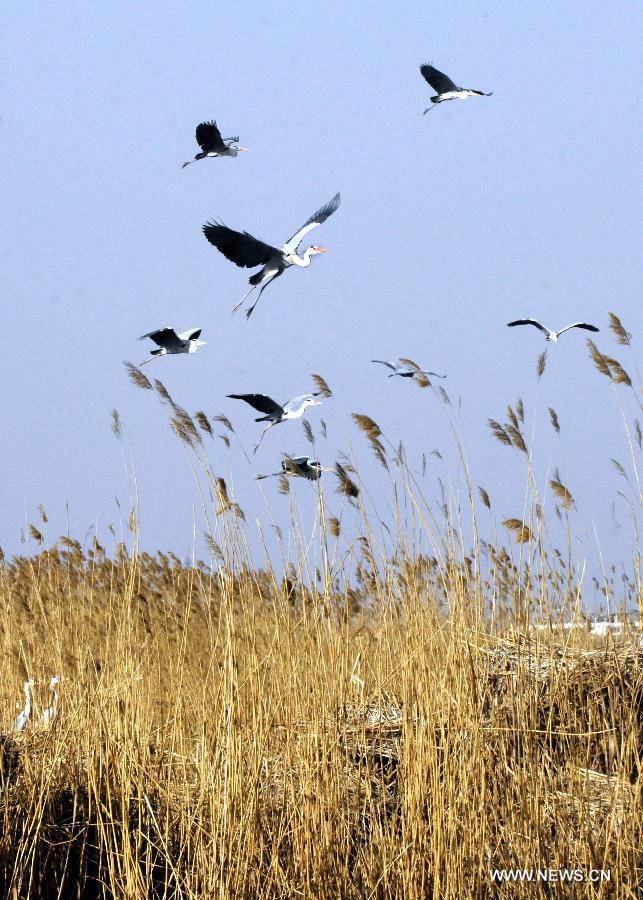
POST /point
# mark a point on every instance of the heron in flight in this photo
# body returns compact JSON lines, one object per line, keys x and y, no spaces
{"x":24,"y":716}
{"x":552,"y":335}
{"x":445,"y":88}
{"x":51,"y":712}
{"x":169,"y":341}
{"x":275,"y":413}
{"x":406,"y":368}
{"x":302,"y":466}
{"x":209,"y":139}
{"x":247,"y":251}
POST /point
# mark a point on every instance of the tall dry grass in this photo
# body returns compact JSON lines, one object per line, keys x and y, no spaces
{"x":387,"y":726}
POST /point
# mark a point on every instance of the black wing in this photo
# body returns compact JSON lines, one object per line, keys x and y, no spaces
{"x":191,"y":335}
{"x":163,"y":337}
{"x":317,"y":218}
{"x":528,"y":322}
{"x":208,"y":137}
{"x":584,"y":325}
{"x":239,"y":247}
{"x":259,"y":401}
{"x":440,"y":82}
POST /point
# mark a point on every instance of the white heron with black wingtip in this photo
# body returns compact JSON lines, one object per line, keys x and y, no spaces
{"x":275,"y":412}
{"x":247,"y":251}
{"x":24,"y":716}
{"x":445,"y":88}
{"x":51,"y":712}
{"x":209,"y":139}
{"x":404,"y":369}
{"x":552,"y":335}
{"x":301,"y":466}
{"x":169,"y":342}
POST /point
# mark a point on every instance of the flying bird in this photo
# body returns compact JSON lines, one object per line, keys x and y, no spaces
{"x":552,"y":335}
{"x":247,"y":251}
{"x":24,"y":716}
{"x":51,"y":712}
{"x":209,"y":139}
{"x":445,"y":88}
{"x":303,"y":466}
{"x":170,"y":342}
{"x":404,"y":369}
{"x":275,"y":413}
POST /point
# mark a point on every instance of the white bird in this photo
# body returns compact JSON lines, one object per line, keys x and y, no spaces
{"x":24,"y":716}
{"x":247,"y":251}
{"x":302,"y":466}
{"x":275,"y":412}
{"x":51,"y":712}
{"x":170,"y":342}
{"x":209,"y":139}
{"x":552,"y":335}
{"x":445,"y":88}
{"x":405,"y":368}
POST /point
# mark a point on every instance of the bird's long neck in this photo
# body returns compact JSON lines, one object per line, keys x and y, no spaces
{"x":302,"y":261}
{"x":27,"y":701}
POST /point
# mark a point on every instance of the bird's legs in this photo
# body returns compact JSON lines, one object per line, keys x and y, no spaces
{"x":146,"y":361}
{"x":250,"y":309}
{"x":433,"y":106}
{"x":269,"y":425}
{"x":243,"y":299}
{"x":265,"y":284}
{"x":263,"y":288}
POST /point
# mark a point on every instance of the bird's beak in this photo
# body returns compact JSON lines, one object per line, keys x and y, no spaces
{"x":243,"y":149}
{"x":202,"y":343}
{"x":317,"y":402}
{"x":322,"y":249}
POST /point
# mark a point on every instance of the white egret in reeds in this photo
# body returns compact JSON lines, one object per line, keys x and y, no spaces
{"x":51,"y":712}
{"x":24,"y":716}
{"x":275,"y":412}
{"x":247,"y":251}
{"x":552,"y":335}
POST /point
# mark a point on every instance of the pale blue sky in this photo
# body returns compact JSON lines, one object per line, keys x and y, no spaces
{"x":527,"y":202}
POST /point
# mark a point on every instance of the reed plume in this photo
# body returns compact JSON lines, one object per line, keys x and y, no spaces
{"x":137,"y":377}
{"x":322,"y":386}
{"x":517,"y":527}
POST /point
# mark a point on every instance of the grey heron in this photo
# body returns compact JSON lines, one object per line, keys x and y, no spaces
{"x":275,"y":412}
{"x":51,"y":712}
{"x":24,"y":716}
{"x":405,"y":368}
{"x":302,"y":466}
{"x":169,"y":342}
{"x":552,"y":335}
{"x":247,"y":251}
{"x":445,"y":88}
{"x":209,"y":139}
